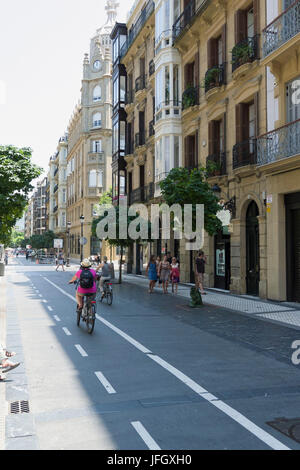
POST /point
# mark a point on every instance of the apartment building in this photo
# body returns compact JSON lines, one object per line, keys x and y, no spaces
{"x":278,"y":151}
{"x":137,"y":58}
{"x":56,"y":199}
{"x":29,"y":219}
{"x":38,"y":208}
{"x":90,"y":141}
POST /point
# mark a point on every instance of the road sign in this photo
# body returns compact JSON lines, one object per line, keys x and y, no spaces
{"x":83,"y":241}
{"x":58,"y":243}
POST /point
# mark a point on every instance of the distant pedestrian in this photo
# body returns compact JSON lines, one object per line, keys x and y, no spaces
{"x":158,"y":263}
{"x":6,"y":258}
{"x":151,"y":272}
{"x":164,"y":273}
{"x":60,"y":261}
{"x":169,"y":257}
{"x":175,"y":275}
{"x":201,"y":260}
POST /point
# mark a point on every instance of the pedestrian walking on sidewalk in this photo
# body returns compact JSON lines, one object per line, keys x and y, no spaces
{"x":201,"y":261}
{"x":158,"y":265}
{"x":164,"y":273}
{"x":175,"y":275}
{"x":60,"y":261}
{"x":151,"y":272}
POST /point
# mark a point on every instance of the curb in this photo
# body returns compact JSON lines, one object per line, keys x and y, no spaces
{"x":3,"y":409}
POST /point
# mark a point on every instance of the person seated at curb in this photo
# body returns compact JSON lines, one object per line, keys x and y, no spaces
{"x":6,"y":365}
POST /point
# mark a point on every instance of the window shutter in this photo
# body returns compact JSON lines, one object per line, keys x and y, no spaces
{"x":196,"y":159}
{"x":197,"y":69}
{"x":212,"y":53}
{"x":186,"y":152}
{"x":256,"y":16}
{"x":240,"y":26}
{"x":224,"y":42}
{"x":211,"y":137}
{"x":256,"y":105}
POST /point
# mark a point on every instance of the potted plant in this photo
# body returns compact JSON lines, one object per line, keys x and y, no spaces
{"x":189,"y":97}
{"x":212,"y":77}
{"x":242,"y":53}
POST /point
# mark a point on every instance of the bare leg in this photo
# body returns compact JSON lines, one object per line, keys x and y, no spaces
{"x":79,"y":299}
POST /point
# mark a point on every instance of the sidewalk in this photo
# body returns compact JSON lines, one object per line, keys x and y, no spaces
{"x":2,"y":341}
{"x":276,"y":312}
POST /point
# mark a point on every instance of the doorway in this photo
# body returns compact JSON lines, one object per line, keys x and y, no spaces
{"x":222,"y":261}
{"x":292,"y":202}
{"x":252,"y":250}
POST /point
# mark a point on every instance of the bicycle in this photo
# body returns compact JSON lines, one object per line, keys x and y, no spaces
{"x":88,"y":312}
{"x":107,"y":292}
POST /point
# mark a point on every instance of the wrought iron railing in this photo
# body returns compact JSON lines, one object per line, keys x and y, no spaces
{"x":56,"y":171}
{"x":282,"y":29}
{"x":190,"y":97}
{"x":244,"y":153}
{"x":151,"y":68}
{"x":218,"y":164}
{"x":140,"y":139}
{"x":55,"y":188}
{"x":215,"y":77}
{"x":136,"y":28}
{"x":245,"y":51}
{"x":187,"y":16}
{"x":278,"y":144}
{"x":140,"y":83}
{"x":137,"y":195}
{"x":55,"y":209}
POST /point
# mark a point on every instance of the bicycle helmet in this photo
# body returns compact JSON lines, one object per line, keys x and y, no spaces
{"x":86,"y":263}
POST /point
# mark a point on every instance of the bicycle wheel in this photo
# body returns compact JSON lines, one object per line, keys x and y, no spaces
{"x":90,"y":319}
{"x":78,"y":317}
{"x":109,"y":296}
{"x":98,"y":295}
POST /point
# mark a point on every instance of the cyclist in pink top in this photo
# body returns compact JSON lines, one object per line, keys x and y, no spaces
{"x":86,"y":277}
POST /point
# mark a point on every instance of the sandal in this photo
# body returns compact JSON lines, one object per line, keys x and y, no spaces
{"x":10,"y":367}
{"x":10,"y":354}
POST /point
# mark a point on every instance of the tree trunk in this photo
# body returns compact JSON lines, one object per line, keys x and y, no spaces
{"x":121,"y":264}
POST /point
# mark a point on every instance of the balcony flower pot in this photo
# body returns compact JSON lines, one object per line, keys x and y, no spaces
{"x":212,"y":77}
{"x":242,"y":53}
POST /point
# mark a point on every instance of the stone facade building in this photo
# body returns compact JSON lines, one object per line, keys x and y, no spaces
{"x":90,"y":141}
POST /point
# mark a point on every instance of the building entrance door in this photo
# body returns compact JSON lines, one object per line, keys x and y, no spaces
{"x":252,"y":247}
{"x":222,"y":259}
{"x":293,"y":246}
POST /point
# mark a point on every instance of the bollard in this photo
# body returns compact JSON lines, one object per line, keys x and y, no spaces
{"x":2,"y":269}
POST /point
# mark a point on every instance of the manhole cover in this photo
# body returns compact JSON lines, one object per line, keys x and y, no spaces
{"x":18,"y":407}
{"x":288,"y":427}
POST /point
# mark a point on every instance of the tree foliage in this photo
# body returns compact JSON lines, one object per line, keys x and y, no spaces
{"x":39,"y":242}
{"x":16,"y":174}
{"x":184,"y":187}
{"x":17,"y":239}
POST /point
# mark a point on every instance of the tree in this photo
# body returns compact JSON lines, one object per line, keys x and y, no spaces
{"x":184,"y":187}
{"x":16,"y":174}
{"x":119,"y":242}
{"x":38,"y":242}
{"x":17,"y":239}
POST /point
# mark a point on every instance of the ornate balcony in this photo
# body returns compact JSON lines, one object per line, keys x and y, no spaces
{"x":279,"y":144}
{"x":285,"y":27}
{"x":244,"y":153}
{"x":190,"y":97}
{"x":129,"y":148}
{"x":137,"y":27}
{"x":215,"y":77}
{"x":245,"y":52}
{"x":192,"y":10}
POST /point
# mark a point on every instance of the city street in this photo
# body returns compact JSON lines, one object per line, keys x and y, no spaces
{"x":155,"y":374}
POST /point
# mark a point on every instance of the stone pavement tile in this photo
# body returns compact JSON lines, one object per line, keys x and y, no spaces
{"x":291,"y":318}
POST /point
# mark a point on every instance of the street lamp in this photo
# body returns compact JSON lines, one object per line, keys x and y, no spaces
{"x":68,"y":232}
{"x":81,"y":244}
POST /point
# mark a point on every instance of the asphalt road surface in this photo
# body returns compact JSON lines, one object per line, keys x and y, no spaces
{"x":154,"y":375}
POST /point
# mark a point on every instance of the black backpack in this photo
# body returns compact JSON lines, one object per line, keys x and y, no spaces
{"x":86,"y":280}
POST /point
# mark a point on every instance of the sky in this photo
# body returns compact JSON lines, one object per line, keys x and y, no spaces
{"x":42,"y":46}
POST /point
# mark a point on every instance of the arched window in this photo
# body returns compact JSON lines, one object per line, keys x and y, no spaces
{"x":97,"y":93}
{"x":97,"y":120}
